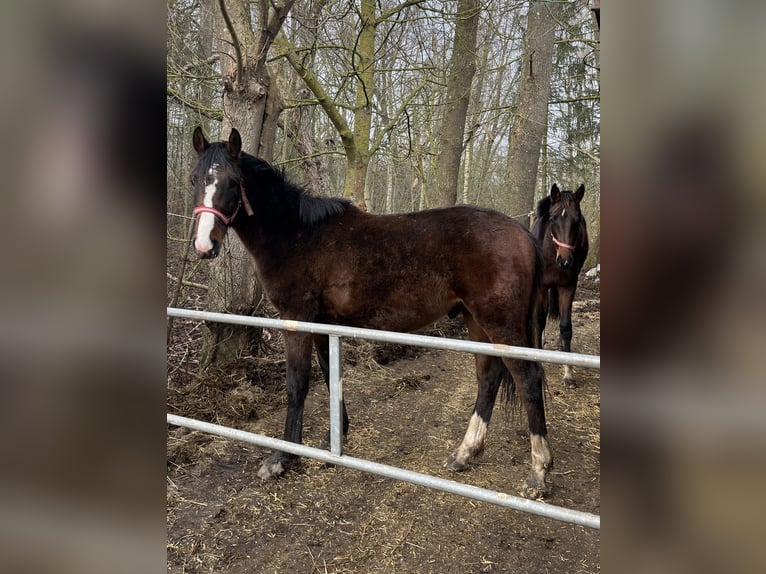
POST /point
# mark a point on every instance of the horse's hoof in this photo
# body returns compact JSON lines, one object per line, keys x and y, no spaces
{"x":569,"y":383}
{"x":272,"y":468}
{"x":454,"y":465}
{"x":534,"y":488}
{"x":533,"y":492}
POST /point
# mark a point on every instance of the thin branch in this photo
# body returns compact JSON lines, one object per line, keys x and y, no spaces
{"x":235,"y":40}
{"x":395,"y":119}
{"x":193,"y":105}
{"x":578,"y":99}
{"x":312,"y":83}
{"x":585,"y":152}
{"x":187,"y":283}
{"x":191,"y":65}
{"x":576,"y":40}
{"x":306,"y":157}
{"x":386,"y":15}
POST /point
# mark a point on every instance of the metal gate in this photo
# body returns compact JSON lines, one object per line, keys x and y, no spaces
{"x":335,"y":455}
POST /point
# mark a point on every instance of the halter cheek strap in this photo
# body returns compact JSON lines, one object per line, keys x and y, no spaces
{"x":228,"y":219}
{"x":561,"y":243}
{"x":245,"y":201}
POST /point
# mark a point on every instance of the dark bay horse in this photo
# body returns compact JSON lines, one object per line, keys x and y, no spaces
{"x":560,"y":229}
{"x":324,"y":260}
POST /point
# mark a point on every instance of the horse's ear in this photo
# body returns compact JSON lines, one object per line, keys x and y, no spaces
{"x":199,"y":141}
{"x":579,"y":193}
{"x":234,"y":145}
{"x":555,"y":193}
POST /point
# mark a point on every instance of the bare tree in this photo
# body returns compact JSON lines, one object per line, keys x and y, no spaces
{"x":462,"y":69}
{"x":251,"y":103}
{"x":357,"y":139}
{"x":531,"y":113}
{"x":373,"y":107}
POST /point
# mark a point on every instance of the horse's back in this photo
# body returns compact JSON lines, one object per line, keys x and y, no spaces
{"x":402,"y":272}
{"x":454,"y":240}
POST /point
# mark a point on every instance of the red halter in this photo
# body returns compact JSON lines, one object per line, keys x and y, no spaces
{"x":560,"y":243}
{"x":227,"y":219}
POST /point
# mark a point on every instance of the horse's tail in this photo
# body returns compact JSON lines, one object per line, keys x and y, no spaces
{"x":508,"y":388}
{"x":537,"y":308}
{"x":535,"y":311}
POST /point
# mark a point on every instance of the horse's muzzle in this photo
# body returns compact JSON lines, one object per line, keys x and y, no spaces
{"x":212,"y":252}
{"x":565,"y":262}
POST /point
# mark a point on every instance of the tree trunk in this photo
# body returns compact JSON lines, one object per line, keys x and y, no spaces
{"x":299,"y":128}
{"x":252,"y":104}
{"x":462,"y":69}
{"x":359,"y":158}
{"x":531,"y":115}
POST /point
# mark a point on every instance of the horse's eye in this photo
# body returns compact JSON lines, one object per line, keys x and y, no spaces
{"x":194,"y":179}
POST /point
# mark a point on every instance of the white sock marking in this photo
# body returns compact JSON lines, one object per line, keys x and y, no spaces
{"x":541,"y":453}
{"x":473,"y":440}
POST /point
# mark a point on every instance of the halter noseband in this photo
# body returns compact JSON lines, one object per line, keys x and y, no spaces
{"x":560,"y":243}
{"x":228,"y":219}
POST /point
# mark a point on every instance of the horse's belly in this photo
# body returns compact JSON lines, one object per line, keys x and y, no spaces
{"x":395,"y":310}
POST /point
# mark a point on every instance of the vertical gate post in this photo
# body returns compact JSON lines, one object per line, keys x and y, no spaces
{"x":336,"y":396}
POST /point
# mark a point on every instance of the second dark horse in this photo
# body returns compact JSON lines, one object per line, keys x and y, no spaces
{"x":560,"y":229}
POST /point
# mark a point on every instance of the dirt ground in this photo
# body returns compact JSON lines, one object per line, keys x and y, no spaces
{"x":409,"y":408}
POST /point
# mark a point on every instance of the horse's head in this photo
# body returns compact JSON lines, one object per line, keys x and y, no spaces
{"x":218,"y":191}
{"x":565,"y":222}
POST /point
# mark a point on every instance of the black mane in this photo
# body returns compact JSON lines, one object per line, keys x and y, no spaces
{"x":316,"y":209}
{"x":543,"y":208}
{"x":276,"y":199}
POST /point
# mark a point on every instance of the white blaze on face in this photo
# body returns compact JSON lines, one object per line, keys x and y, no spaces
{"x":203,"y":243}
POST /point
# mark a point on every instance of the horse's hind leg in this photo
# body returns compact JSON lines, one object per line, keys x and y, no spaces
{"x":529,"y":377}
{"x":489,"y":374}
{"x":322,"y":344}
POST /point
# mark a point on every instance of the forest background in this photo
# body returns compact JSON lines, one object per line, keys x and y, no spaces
{"x":398,"y":105}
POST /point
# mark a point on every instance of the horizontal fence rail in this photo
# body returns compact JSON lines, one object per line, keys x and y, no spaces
{"x":449,"y":486}
{"x":573,"y":359}
{"x":334,"y":456}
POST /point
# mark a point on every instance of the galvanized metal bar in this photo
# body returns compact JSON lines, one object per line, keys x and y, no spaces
{"x":444,"y":485}
{"x":336,"y":396}
{"x":559,"y":357}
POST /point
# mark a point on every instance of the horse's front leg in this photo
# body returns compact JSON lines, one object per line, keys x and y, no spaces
{"x":298,"y":347}
{"x":566,"y":299}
